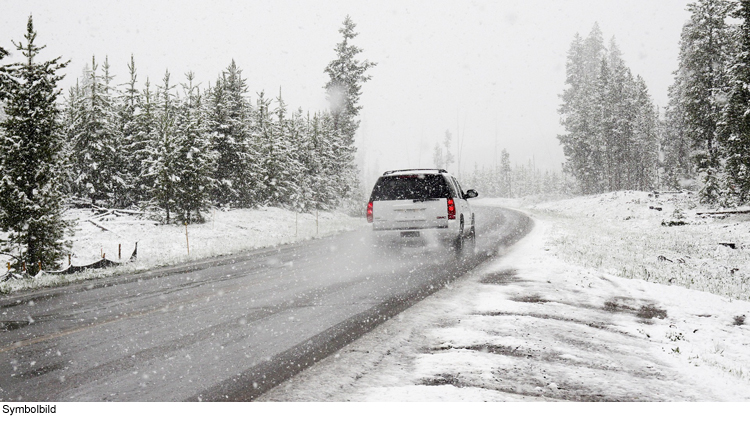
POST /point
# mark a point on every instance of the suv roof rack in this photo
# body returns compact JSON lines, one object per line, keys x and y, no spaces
{"x":388,"y":172}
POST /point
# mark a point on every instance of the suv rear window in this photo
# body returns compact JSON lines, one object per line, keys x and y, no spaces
{"x":410,"y":187}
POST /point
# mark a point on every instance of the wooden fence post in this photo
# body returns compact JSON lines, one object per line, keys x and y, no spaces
{"x":187,"y":240}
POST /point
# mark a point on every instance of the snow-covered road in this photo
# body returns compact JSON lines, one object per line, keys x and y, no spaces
{"x":531,"y":327}
{"x":223,"y":328}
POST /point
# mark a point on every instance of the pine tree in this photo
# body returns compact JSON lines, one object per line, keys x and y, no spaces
{"x":194,"y":160}
{"x":71,"y":118}
{"x":448,"y":156}
{"x":163,"y":152}
{"x":298,"y":138}
{"x":229,"y":122}
{"x":31,"y":158}
{"x":287,"y":145}
{"x":505,"y":174}
{"x":321,"y":164}
{"x":701,"y":83}
{"x":600,"y":160}
{"x":643,"y":157}
{"x":609,"y":119}
{"x":131,"y":147}
{"x":735,"y":129}
{"x":96,"y":142}
{"x":277,"y":156}
{"x":678,"y":164}
{"x":622,"y":147}
{"x":308,"y":176}
{"x":4,"y":77}
{"x":117,"y":160}
{"x":145,"y":138}
{"x":437,"y":156}
{"x":579,"y":114}
{"x":343,"y":90}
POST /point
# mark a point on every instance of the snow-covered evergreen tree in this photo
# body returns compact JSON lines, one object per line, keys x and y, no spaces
{"x":346,"y":75}
{"x":321,"y":163}
{"x":229,"y":114}
{"x":700,"y":87}
{"x":195,"y":161}
{"x":31,"y":158}
{"x":131,"y":147}
{"x":505,"y":187}
{"x":163,"y":152}
{"x":610,"y":141}
{"x":603,"y":125}
{"x":274,"y":152}
{"x":643,"y":156}
{"x":735,"y":127}
{"x":146,"y":128}
{"x":281,"y":158}
{"x":117,"y":163}
{"x":97,"y":156}
{"x":678,"y":163}
{"x":442,"y":156}
{"x":447,"y":143}
{"x":343,"y":90}
{"x":72,"y":110}
{"x":622,"y":146}
{"x":4,"y":76}
{"x":578,"y":111}
{"x":298,"y":138}
{"x":437,"y":156}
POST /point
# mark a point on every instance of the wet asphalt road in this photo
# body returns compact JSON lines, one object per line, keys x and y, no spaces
{"x":227,"y":328}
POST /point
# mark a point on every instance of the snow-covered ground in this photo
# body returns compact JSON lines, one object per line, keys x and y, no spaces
{"x":549,"y":321}
{"x":659,"y":238}
{"x":225,"y":232}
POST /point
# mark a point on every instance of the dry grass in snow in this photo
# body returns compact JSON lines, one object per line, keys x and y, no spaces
{"x":661,"y":239}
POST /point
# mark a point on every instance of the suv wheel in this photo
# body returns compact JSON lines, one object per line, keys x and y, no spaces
{"x":472,"y":238}
{"x":458,"y":243}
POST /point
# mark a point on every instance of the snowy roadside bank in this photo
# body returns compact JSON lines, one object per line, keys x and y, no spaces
{"x":668,"y":238}
{"x":225,"y":232}
{"x":530,"y":326}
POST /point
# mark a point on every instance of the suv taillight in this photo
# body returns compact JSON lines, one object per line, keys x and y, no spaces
{"x":451,"y":209}
{"x":369,"y":211}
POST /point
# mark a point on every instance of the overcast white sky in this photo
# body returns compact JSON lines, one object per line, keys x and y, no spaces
{"x":497,"y":67}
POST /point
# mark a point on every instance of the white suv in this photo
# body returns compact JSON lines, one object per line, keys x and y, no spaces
{"x":421,"y":203}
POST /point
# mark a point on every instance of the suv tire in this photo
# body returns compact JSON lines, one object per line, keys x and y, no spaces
{"x":458,"y":242}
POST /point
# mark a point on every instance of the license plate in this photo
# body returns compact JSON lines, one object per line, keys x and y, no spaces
{"x":409,"y":234}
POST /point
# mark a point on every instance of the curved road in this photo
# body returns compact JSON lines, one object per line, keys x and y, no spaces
{"x":226,"y":328}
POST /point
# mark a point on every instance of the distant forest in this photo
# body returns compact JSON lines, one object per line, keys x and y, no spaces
{"x":612,"y":130}
{"x":614,"y":138}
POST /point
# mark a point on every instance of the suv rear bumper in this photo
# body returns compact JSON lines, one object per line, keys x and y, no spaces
{"x":417,"y":234}
{"x":442,"y":227}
